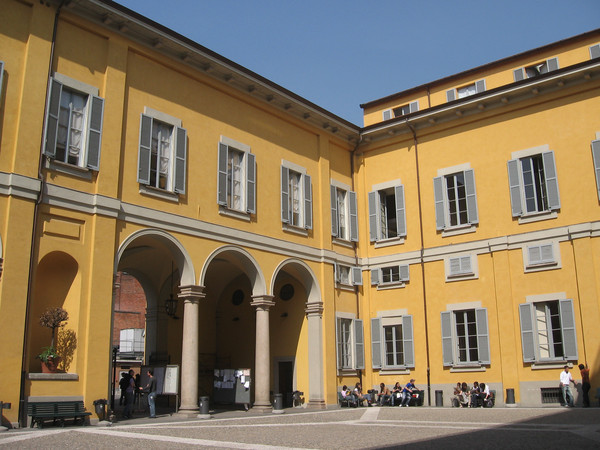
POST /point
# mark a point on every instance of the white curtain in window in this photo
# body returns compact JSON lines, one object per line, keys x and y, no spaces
{"x":77,"y":120}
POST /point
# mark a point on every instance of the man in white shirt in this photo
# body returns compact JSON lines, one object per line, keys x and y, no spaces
{"x":565,"y":380}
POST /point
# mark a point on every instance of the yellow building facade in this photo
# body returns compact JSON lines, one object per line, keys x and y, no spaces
{"x":454,"y":237}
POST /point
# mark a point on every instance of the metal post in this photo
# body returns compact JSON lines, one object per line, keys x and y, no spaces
{"x":114,"y":363}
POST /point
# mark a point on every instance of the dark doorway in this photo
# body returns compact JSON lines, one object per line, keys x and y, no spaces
{"x":286,"y":382}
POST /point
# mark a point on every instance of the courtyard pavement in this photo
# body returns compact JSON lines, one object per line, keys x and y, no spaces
{"x":350,"y":428}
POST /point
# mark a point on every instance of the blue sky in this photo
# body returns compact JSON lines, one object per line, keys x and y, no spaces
{"x":341,"y":53}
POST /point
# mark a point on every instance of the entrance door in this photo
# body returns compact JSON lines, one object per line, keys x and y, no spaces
{"x":286,"y":382}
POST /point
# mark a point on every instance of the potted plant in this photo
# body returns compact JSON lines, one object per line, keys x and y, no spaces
{"x":52,"y":318}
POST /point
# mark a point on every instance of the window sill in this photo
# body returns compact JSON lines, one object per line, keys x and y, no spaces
{"x":386,"y":286}
{"x":347,"y":372}
{"x":159,"y":193}
{"x":294,"y":229}
{"x":394,"y":371}
{"x":537,"y":217}
{"x":53,"y":376}
{"x":547,"y":365}
{"x":345,"y":287}
{"x":461,"y":277}
{"x":459,"y":229}
{"x":69,"y":169}
{"x":389,"y":242}
{"x":224,"y":211}
{"x":467,"y":368}
{"x":541,"y":267}
{"x":342,"y":242}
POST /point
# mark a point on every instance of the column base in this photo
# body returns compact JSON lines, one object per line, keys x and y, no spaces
{"x":190,"y":413}
{"x":262,"y":408}
{"x":316,"y":404}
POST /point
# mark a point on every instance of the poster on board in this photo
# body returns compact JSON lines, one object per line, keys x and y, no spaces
{"x":171,"y":384}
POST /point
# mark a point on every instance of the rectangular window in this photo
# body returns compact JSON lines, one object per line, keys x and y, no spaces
{"x":348,"y":276}
{"x":596,"y":158}
{"x":344,"y":218}
{"x":73,"y":123}
{"x":387,"y":214}
{"x":406,"y":109}
{"x":465,"y":338}
{"x":541,"y":254}
{"x":392,"y":342}
{"x":296,"y":198}
{"x":535,"y":70}
{"x":455,"y":200}
{"x":162,"y":152}
{"x":350,"y":344}
{"x":533,"y":184}
{"x":548,"y":330}
{"x":390,"y":275}
{"x":465,"y":91}
{"x":131,"y":340}
{"x":236,"y":178}
{"x":460,"y":266}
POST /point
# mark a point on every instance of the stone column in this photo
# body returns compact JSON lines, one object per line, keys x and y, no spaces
{"x":316,"y":396}
{"x":262,"y":362}
{"x":191,"y":296}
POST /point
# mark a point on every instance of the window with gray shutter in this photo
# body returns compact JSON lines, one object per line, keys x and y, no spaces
{"x":438,"y":195}
{"x":514,"y":181}
{"x":480,"y":86}
{"x":527,"y":332}
{"x":373,"y":228}
{"x":552,"y":64}
{"x":95,"y":132}
{"x":408,"y":341}
{"x":307,"y":202}
{"x":404,"y":272}
{"x":353,"y":211}
{"x":567,"y":321}
{"x":334,"y":211}
{"x":357,"y":276}
{"x":447,"y":340}
{"x":471,"y":196}
{"x":450,"y":95}
{"x":222,"y":174}
{"x":519,"y":74}
{"x":400,"y":211}
{"x":180,"y":160}
{"x":285,"y":195}
{"x":375,"y":276}
{"x":541,"y":254}
{"x":1,"y":77}
{"x":359,"y":344}
{"x":414,"y":106}
{"x":52,"y":118}
{"x":376,"y":344}
{"x":483,"y":341}
{"x":387,"y":114}
{"x":596,"y":157}
{"x":145,"y":150}
{"x":551,"y":180}
{"x":250,"y":183}
{"x":595,"y":51}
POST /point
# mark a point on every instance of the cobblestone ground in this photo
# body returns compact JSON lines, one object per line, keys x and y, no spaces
{"x":418,"y":428}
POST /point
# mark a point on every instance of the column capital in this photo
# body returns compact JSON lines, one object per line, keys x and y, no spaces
{"x":314,"y":309}
{"x":262,"y":302}
{"x":191,"y":292}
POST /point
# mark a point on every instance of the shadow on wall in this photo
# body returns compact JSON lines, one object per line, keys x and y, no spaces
{"x":66,"y":343}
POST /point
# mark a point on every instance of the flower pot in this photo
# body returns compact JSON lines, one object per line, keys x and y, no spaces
{"x":50,"y":366}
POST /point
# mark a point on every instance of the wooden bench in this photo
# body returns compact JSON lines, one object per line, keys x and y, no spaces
{"x":56,"y":411}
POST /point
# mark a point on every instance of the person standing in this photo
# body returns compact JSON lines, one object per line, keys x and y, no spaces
{"x":565,"y":380}
{"x":123,"y":383}
{"x":151,"y":390}
{"x":585,"y":384}
{"x":129,"y":396}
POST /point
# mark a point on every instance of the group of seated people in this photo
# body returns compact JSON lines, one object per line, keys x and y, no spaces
{"x":398,"y":396}
{"x":478,"y":395}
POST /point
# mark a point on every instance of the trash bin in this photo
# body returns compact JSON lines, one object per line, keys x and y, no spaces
{"x":278,"y":401}
{"x":204,"y":405}
{"x":100,"y":406}
{"x":510,"y":396}
{"x":439,"y":398}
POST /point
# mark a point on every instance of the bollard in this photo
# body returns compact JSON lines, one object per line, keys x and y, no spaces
{"x":439,"y":398}
{"x":278,"y":404}
{"x":510,"y":397}
{"x":204,"y":405}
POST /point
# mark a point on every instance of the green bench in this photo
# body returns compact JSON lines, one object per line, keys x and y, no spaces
{"x":57,"y":412}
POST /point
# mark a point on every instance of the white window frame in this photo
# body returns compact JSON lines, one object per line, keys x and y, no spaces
{"x":379,"y":348}
{"x":516,"y":184}
{"x":246,"y":181}
{"x":378,"y":213}
{"x":132,"y":340}
{"x":532,"y":337}
{"x":467,"y":264}
{"x":91,"y":127}
{"x":354,"y":359}
{"x":442,"y":201}
{"x":299,"y":193}
{"x":378,"y":275}
{"x":465,"y":91}
{"x":450,"y":338}
{"x":175,"y":182}
{"x":347,"y":276}
{"x":541,"y":256}
{"x":344,"y":216}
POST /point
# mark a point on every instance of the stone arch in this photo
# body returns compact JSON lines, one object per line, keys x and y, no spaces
{"x":303,"y":273}
{"x":241,"y":259}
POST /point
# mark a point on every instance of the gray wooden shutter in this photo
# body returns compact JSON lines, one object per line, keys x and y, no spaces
{"x":387,"y":114}
{"x":376,"y":350}
{"x":250,"y":183}
{"x":353,"y":209}
{"x":1,"y":77}
{"x":413,"y":106}
{"x":552,"y":64}
{"x":375,"y":276}
{"x":551,"y":180}
{"x":308,"y":223}
{"x":595,"y":51}
{"x":52,"y":117}
{"x":479,"y":86}
{"x":404,"y":272}
{"x":373,"y":228}
{"x":451,"y":95}
{"x":472,"y":213}
{"x":400,"y":210}
{"x":527,"y":332}
{"x":567,"y":324}
{"x":95,"y":132}
{"x":408,"y":341}
{"x":519,"y":74}
{"x":338,"y":341}
{"x":483,"y":340}
{"x":357,"y":276}
{"x":359,"y":344}
{"x":447,"y":341}
{"x":334,"y":212}
{"x":180,"y":160}
{"x":285,"y":195}
{"x":596,"y":157}
{"x":514,"y":182}
{"x":222,"y":174}
{"x":438,"y":195}
{"x":145,"y":151}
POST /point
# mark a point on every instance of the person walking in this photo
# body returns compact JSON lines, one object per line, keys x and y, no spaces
{"x":565,"y":380}
{"x":151,"y":390}
{"x":585,"y":384}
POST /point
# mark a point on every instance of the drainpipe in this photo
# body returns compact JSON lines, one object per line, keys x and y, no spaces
{"x":40,"y":176}
{"x":358,"y":142}
{"x":415,"y":141}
